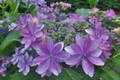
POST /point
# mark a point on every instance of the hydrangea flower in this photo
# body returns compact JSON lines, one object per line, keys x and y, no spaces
{"x":100,"y":33}
{"x":24,"y":63}
{"x":2,"y":70}
{"x":50,"y":56}
{"x":12,"y":26}
{"x":85,"y":52}
{"x":31,"y":34}
{"x":110,"y":14}
{"x":74,"y":18}
{"x":16,"y":56}
{"x":94,"y":10}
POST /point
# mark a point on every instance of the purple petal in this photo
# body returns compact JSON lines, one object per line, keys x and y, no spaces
{"x":44,"y":49}
{"x":79,"y":41}
{"x":76,"y":48}
{"x":35,"y":45}
{"x":40,"y":59}
{"x":96,"y":60}
{"x":43,"y":67}
{"x":25,"y":32}
{"x":50,"y":44}
{"x":27,"y":69}
{"x":62,"y":55}
{"x":69,"y":50}
{"x":94,"y":45}
{"x":58,"y":47}
{"x":87,"y":67}
{"x":96,"y":53}
{"x":74,"y":59}
{"x":55,"y":67}
{"x":90,"y":31}
{"x":38,"y":34}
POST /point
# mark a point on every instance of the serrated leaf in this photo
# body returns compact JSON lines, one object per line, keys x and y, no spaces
{"x":82,"y":11}
{"x":31,"y":76}
{"x":9,"y":39}
{"x":69,"y":74}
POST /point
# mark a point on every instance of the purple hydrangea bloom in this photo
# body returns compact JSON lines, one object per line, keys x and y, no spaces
{"x":16,"y":56}
{"x":31,"y":34}
{"x":2,"y":70}
{"x":85,"y":51}
{"x":94,"y":10}
{"x":24,"y":63}
{"x":12,"y":26}
{"x":74,"y":18}
{"x":100,"y":33}
{"x":48,"y":61}
{"x":23,"y":20}
{"x":110,"y":14}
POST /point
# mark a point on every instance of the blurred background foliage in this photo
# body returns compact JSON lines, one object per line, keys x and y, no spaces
{"x":102,"y":4}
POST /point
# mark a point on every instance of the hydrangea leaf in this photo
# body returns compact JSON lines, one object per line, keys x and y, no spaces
{"x":69,"y":74}
{"x":116,"y":61}
{"x":112,"y":75}
{"x":9,"y":39}
{"x":83,"y":11}
{"x":5,"y":78}
{"x":31,"y":76}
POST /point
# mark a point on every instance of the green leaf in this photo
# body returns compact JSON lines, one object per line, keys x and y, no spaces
{"x":105,"y":76}
{"x":8,"y":1}
{"x":69,"y":74}
{"x":9,"y":39}
{"x":93,"y":3}
{"x":82,"y":11}
{"x":7,"y":14}
{"x":5,"y":78}
{"x":116,"y":61}
{"x":14,"y":6}
{"x":31,"y":76}
{"x":112,"y":75}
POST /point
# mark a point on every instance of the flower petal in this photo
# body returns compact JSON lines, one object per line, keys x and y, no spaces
{"x":96,"y":60}
{"x":38,"y":34}
{"x":74,"y":59}
{"x":76,"y":48}
{"x":40,"y":59}
{"x":44,"y":48}
{"x":79,"y":41}
{"x":58,"y":47}
{"x":96,"y":53}
{"x":62,"y":55}
{"x":87,"y":67}
{"x":50,"y":44}
{"x":90,"y":31}
{"x":25,"y":32}
{"x":55,"y":67}
{"x":94,"y":45}
{"x":69,"y":50}
{"x":43,"y":67}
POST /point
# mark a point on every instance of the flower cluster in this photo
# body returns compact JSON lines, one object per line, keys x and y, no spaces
{"x":61,"y":5}
{"x":50,"y":37}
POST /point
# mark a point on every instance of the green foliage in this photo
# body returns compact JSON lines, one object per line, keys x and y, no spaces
{"x":9,"y":39}
{"x":102,"y":4}
{"x":68,"y":74}
{"x":31,"y":76}
{"x":83,"y":11}
{"x":93,"y":3}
